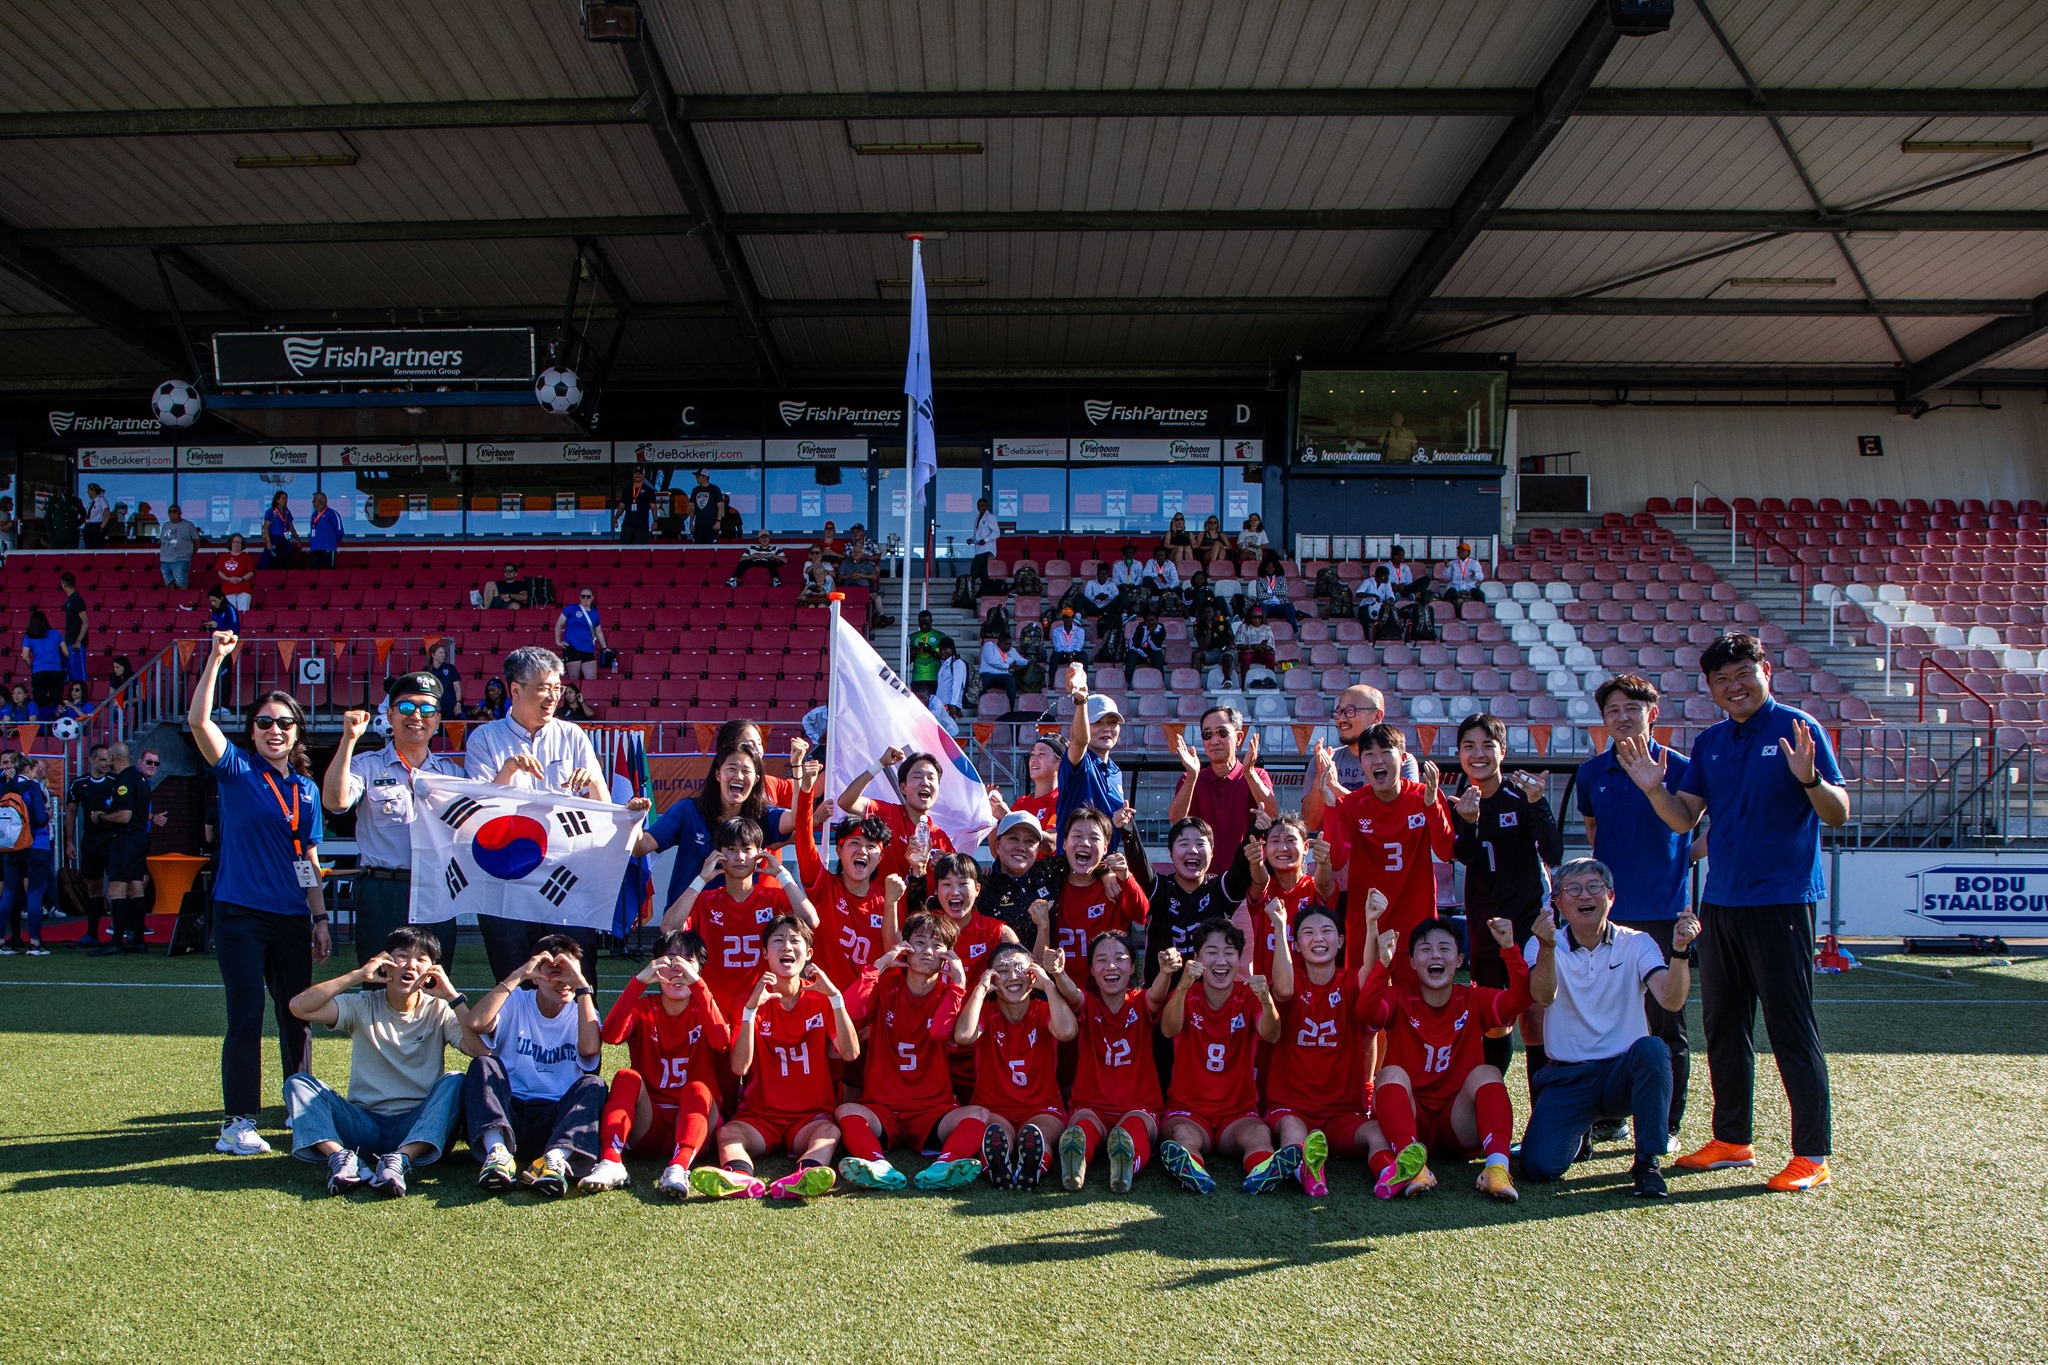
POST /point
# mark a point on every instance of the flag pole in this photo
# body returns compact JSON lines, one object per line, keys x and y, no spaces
{"x":909,"y":492}
{"x":834,"y":601}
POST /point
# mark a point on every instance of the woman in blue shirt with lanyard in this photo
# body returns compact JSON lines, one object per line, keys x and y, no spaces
{"x":579,"y":636}
{"x":280,"y":534}
{"x":269,"y":921}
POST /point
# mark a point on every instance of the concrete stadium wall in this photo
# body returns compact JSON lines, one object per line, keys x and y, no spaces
{"x":1643,"y":452}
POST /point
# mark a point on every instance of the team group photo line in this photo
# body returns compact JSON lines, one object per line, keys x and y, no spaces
{"x":882,"y":1009}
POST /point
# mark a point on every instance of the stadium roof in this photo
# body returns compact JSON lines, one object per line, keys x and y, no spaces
{"x":1772,"y":192}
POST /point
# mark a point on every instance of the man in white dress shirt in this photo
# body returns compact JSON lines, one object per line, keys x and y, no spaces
{"x":983,"y":545}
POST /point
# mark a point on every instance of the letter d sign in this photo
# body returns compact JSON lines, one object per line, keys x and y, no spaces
{"x":1244,"y":413}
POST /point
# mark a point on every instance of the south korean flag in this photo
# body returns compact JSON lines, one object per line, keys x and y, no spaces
{"x":516,"y":853}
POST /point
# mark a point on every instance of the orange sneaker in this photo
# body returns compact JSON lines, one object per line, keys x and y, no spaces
{"x":1800,"y":1175}
{"x":1718,"y":1156}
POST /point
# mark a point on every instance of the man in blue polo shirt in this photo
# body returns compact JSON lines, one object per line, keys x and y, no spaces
{"x":1649,"y":859}
{"x":326,"y":534}
{"x":1088,"y":775}
{"x":1769,"y":776}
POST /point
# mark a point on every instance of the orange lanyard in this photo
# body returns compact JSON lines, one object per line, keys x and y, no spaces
{"x":298,"y":847}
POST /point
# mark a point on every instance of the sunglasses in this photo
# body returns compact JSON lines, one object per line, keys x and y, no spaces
{"x":148,"y":763}
{"x":276,"y":723}
{"x":417,"y":708}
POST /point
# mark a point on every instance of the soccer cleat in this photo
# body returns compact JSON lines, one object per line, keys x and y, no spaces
{"x":674,"y":1182}
{"x":864,"y":1174}
{"x":393,"y":1169}
{"x":1073,"y":1158}
{"x":498,"y":1174}
{"x":1123,"y":1161}
{"x":807,"y":1183}
{"x":238,"y":1137}
{"x":1801,"y":1175}
{"x":1315,"y":1151}
{"x":1411,"y":1163}
{"x":1718,"y":1156}
{"x":995,"y":1157}
{"x":1646,"y":1181}
{"x":1585,"y":1152}
{"x":717,"y":1182}
{"x":1276,"y":1170}
{"x":344,"y":1172}
{"x":1184,"y":1166}
{"x":547,"y":1176}
{"x":1423,"y":1183}
{"x":1495,"y":1183}
{"x":1030,"y":1161}
{"x":949,"y":1175}
{"x":605,"y":1175}
{"x":1610,"y":1130}
{"x":37,"y":950}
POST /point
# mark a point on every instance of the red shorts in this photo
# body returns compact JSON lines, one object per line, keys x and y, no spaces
{"x":918,"y":1129}
{"x":1112,"y":1116}
{"x":1340,"y":1127}
{"x":779,"y":1130}
{"x":1214,"y":1126}
{"x":1017,"y":1115}
{"x":1433,"y":1130}
{"x":660,"y":1137}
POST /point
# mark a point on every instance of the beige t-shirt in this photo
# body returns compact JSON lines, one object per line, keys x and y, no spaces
{"x":395,"y":1059}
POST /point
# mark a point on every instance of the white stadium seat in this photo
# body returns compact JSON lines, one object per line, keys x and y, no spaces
{"x":1543,"y":656}
{"x":1525,"y":591}
{"x":1558,"y":592}
{"x":1561,"y":634}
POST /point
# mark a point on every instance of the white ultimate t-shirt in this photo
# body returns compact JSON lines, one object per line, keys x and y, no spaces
{"x":539,"y":1053}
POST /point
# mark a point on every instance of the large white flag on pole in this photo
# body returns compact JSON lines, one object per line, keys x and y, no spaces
{"x":871,"y":710}
{"x":920,"y":444}
{"x":520,"y":854}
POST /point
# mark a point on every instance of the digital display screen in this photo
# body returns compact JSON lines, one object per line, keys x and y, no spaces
{"x":1400,"y":417}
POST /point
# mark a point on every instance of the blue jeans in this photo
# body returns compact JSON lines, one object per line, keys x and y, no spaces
{"x":1571,"y":1096}
{"x":319,"y":1115}
{"x":24,"y":876}
{"x":177,"y":572}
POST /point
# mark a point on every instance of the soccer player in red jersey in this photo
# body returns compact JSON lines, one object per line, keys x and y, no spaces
{"x":1099,"y":895}
{"x":917,"y":782}
{"x":1213,"y":1101}
{"x":1016,"y":1036}
{"x":732,"y":918}
{"x":850,"y":902}
{"x":956,"y":886}
{"x":664,"y":1101}
{"x":910,"y":1007}
{"x":1116,"y":1086}
{"x":1317,"y":1095}
{"x":793,"y":1022}
{"x":1280,"y":871}
{"x":1437,"y":1093}
{"x":1384,"y":837}
{"x":1042,"y":766}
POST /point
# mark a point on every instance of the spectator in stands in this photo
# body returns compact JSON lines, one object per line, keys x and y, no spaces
{"x":1255,"y":641}
{"x":77,"y":627}
{"x":1160,"y":580}
{"x":1213,"y":644}
{"x":222,"y":610}
{"x":236,"y":571}
{"x":1098,"y":596}
{"x":924,"y":657}
{"x":1147,"y":644}
{"x":143,"y":525}
{"x":10,"y":529}
{"x":1401,"y":574}
{"x":1199,"y":595}
{"x":1068,"y":643}
{"x":1000,"y":665}
{"x":120,"y":674}
{"x":1178,"y":538}
{"x":828,"y":540}
{"x":494,"y":704}
{"x":439,"y":664}
{"x":949,"y":691}
{"x":42,"y":649}
{"x":574,"y":707}
{"x":175,"y":543}
{"x":25,"y":872}
{"x":1269,"y":589}
{"x":707,"y":509}
{"x":1128,"y":573}
{"x":817,"y":580}
{"x":1212,"y":545}
{"x":1464,"y":577}
{"x":579,"y":635}
{"x":1251,"y":537}
{"x":764,"y":553}
{"x":634,"y":517}
{"x":508,"y":592}
{"x":280,"y":533}
{"x":863,"y":563}
{"x":99,"y":517}
{"x":20,"y":707}
{"x":77,"y":702}
{"x":324,"y":534}
{"x":982,"y":545}
{"x":1377,"y":610}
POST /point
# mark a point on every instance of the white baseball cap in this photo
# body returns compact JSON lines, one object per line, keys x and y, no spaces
{"x":1100,"y":706}
{"x":1020,"y":819}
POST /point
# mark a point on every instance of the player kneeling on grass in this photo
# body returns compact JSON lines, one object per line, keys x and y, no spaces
{"x":1016,"y":1037}
{"x":1116,"y":1085}
{"x":788,"y":1025}
{"x":1437,"y":1094}
{"x":1214,"y":1100}
{"x":664,"y":1103}
{"x":1316,"y":1086}
{"x":914,"y":999}
{"x":401,"y":1106}
{"x":536,"y":1089}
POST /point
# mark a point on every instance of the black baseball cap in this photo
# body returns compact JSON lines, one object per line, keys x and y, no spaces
{"x":413,"y":685}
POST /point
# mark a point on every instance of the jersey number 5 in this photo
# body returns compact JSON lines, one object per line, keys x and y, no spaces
{"x":906,"y":1056}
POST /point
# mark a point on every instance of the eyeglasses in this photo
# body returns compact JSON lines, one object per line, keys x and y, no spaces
{"x":276,"y":723}
{"x":417,"y":708}
{"x":1577,"y":889}
{"x":1347,"y":712}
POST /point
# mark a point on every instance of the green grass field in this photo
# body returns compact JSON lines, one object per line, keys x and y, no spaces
{"x":124,"y":1237}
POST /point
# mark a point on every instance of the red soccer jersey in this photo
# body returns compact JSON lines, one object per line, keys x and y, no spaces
{"x":668,"y":1050}
{"x":907,"y":1067}
{"x":1303,"y":892}
{"x":732,"y":938}
{"x":1318,"y":1066}
{"x":1016,"y":1066}
{"x":1046,"y":808}
{"x":849,"y":933}
{"x":790,"y":1074}
{"x":979,"y":935}
{"x":902,"y":824}
{"x":1439,"y":1047}
{"x":1115,"y":1071}
{"x":1086,"y":911}
{"x":1213,"y":1053}
{"x":1388,"y":846}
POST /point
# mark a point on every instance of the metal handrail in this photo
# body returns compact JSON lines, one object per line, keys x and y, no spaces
{"x":1756,"y":557}
{"x":1990,"y":712}
{"x":1698,"y":486}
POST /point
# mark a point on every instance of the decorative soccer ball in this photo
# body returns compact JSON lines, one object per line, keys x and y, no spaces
{"x":558,"y":390}
{"x":175,"y":403}
{"x":67,"y":728}
{"x":381,"y":723}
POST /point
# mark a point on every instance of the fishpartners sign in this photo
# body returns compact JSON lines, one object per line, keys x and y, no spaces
{"x":475,"y":355}
{"x":1943,"y":893}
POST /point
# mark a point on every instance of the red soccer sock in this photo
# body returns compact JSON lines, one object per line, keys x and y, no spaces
{"x":964,"y":1141}
{"x":1496,"y":1115}
{"x":693,"y":1125}
{"x":1091,"y":1136}
{"x":1377,"y":1162}
{"x":860,"y":1139}
{"x":1394,"y":1107}
{"x":617,"y":1120}
{"x":1252,"y":1159}
{"x":1141,"y":1141}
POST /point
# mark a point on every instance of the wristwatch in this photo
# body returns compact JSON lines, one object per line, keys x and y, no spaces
{"x":582,"y":991}
{"x":459,"y":1002}
{"x":1817,"y":780}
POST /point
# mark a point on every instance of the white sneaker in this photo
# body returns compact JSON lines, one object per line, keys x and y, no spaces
{"x":238,"y":1137}
{"x":674,"y":1182}
{"x":605,"y":1175}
